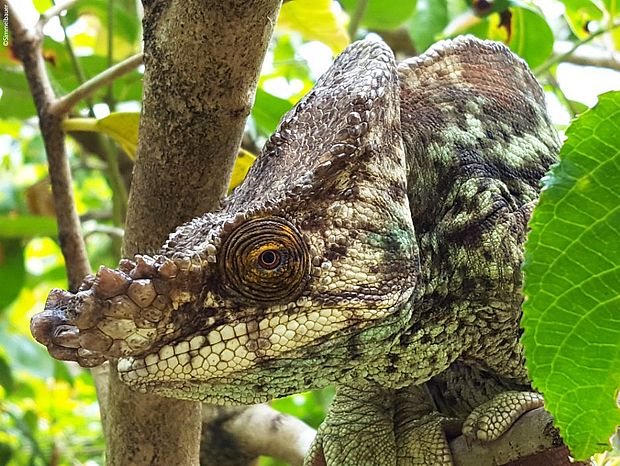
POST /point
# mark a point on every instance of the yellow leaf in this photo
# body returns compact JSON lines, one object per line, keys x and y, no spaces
{"x":316,"y":20}
{"x":243,"y":163}
{"x":120,"y":126}
{"x":123,"y":128}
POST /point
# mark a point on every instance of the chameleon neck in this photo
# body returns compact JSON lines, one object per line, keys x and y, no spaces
{"x":474,"y":159}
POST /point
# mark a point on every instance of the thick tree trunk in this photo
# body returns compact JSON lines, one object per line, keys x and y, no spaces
{"x":202,"y":62}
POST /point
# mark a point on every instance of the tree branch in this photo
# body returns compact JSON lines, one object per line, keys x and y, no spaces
{"x":202,"y":61}
{"x":27,"y":48}
{"x":53,"y":12}
{"x":571,"y":50}
{"x":249,"y":432}
{"x":64,"y":104}
{"x":532,"y":440}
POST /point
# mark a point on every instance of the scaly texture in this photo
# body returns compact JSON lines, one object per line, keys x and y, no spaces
{"x":376,"y":244}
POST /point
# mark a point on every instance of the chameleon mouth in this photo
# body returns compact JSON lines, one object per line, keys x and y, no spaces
{"x":227,"y":350}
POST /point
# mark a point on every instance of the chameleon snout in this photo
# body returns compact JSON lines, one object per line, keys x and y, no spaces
{"x":117,"y":312}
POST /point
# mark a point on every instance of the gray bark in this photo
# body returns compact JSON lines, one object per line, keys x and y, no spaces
{"x":202,"y":61}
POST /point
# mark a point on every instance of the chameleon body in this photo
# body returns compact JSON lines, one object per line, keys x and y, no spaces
{"x":375,"y":244}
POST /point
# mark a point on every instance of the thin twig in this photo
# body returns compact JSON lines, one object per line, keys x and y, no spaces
{"x":75,"y":63}
{"x":64,"y":104}
{"x":563,"y":57}
{"x":27,"y":45}
{"x":114,"y":232}
{"x":54,"y":11}
{"x":570,"y":106}
{"x":109,"y":98}
{"x":119,"y":197}
{"x":357,"y":17}
{"x":588,"y":56}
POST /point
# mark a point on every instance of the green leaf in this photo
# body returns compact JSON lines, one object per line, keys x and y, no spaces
{"x":382,"y":14}
{"x":61,"y":372}
{"x":6,"y":452}
{"x":26,"y":355}
{"x":525,"y":31}
{"x":429,"y":20}
{"x":243,"y":163}
{"x":123,"y":128}
{"x":6,"y":377}
{"x":27,"y":226}
{"x":16,"y":101}
{"x":613,"y":15}
{"x":579,"y":13}
{"x":42,"y":5}
{"x":10,"y":128}
{"x":267,"y":111}
{"x":120,"y":126}
{"x":532,"y":38}
{"x":12,"y":271}
{"x":572,"y":282}
{"x":315,"y":20}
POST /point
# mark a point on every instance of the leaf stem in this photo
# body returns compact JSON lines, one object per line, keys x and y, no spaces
{"x":357,"y":17}
{"x":560,"y":94}
{"x":75,"y":63}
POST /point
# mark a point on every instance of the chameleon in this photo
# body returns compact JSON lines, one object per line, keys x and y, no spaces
{"x":375,"y":245}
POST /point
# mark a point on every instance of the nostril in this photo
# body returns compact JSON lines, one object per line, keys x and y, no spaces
{"x":67,"y":336}
{"x":44,"y":325}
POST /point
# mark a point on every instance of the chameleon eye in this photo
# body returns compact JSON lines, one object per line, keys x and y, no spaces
{"x":269,"y":259}
{"x":265,"y":260}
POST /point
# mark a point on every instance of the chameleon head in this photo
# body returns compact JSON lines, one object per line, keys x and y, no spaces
{"x":309,"y":263}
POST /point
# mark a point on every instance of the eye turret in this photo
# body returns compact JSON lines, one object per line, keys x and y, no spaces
{"x":265,"y":260}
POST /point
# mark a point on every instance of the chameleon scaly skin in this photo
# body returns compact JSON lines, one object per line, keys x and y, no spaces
{"x":375,"y":244}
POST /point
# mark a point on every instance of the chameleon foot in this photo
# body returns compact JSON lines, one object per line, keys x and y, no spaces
{"x":424,"y":442}
{"x":358,"y":430}
{"x":492,"y":419}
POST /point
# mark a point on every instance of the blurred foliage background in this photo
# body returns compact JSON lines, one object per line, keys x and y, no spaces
{"x":48,"y":409}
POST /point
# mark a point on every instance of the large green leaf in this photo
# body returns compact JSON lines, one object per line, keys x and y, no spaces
{"x":16,"y":101}
{"x":571,"y":315}
{"x":315,"y":20}
{"x":532,"y":38}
